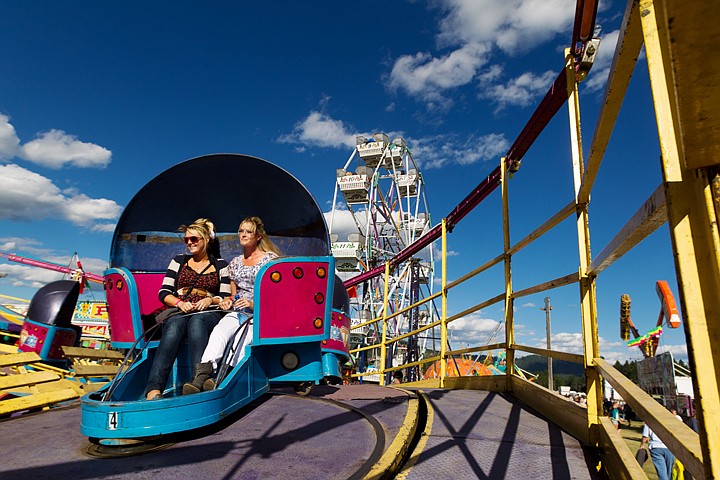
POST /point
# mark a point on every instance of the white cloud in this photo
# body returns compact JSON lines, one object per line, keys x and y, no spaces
{"x":83,"y":210}
{"x":426,"y":76}
{"x":473,"y":29}
{"x":28,"y":245}
{"x":320,"y":130}
{"x":103,"y":227}
{"x":20,"y":275}
{"x":473,"y":329}
{"x":8,"y":138}
{"x":529,"y":305}
{"x":606,"y":51}
{"x":520,"y":91}
{"x":27,"y":195}
{"x":55,"y":149}
{"x":438,"y":151}
{"x":342,"y":223}
{"x":25,"y":276}
{"x":515,"y":26}
{"x":678,"y":351}
{"x":611,"y":351}
{"x":437,"y":251}
{"x":598,"y":76}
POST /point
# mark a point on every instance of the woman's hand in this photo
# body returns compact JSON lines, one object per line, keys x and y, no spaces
{"x":225,"y":303}
{"x":186,"y":307}
{"x":241,"y":303}
{"x":203,"y":304}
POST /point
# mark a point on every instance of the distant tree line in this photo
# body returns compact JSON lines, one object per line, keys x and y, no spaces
{"x":571,"y":374}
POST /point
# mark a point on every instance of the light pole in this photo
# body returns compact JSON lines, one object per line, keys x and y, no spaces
{"x":547,"y":330}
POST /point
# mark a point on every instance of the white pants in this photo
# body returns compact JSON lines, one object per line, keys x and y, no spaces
{"x":220,"y":337}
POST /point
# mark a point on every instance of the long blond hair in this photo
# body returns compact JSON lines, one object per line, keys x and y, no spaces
{"x":264,"y":244}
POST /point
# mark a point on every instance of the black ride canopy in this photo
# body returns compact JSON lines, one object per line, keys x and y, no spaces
{"x":224,"y":188}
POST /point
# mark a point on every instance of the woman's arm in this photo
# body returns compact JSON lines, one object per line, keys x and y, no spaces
{"x":227,"y":302}
{"x":225,"y":287}
{"x":167,"y":290}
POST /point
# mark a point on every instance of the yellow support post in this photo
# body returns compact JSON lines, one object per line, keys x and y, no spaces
{"x":383,"y":350}
{"x":509,"y":301}
{"x":591,"y":348}
{"x":443,"y":320}
{"x":688,"y":173}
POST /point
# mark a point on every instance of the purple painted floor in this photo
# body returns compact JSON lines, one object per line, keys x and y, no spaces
{"x":282,"y":437}
{"x":475,"y":434}
{"x":478,"y":434}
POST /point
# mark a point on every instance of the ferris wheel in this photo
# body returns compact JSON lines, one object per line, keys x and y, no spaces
{"x":379,"y":208}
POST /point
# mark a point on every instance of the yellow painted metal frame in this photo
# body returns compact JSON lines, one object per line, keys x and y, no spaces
{"x":509,"y":300}
{"x":691,"y":212}
{"x":588,"y":301}
{"x":689,"y":199}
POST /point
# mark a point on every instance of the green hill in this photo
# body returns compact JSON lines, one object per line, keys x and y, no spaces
{"x":537,"y":364}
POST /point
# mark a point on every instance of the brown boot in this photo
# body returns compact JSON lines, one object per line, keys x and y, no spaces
{"x":209,"y":384}
{"x":203,"y":371}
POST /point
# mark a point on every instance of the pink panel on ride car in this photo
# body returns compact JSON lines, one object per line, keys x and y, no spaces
{"x":292,"y":300}
{"x":339,"y":334}
{"x":119,"y":309}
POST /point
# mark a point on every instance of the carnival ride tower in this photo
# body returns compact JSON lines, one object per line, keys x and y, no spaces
{"x":383,"y":193}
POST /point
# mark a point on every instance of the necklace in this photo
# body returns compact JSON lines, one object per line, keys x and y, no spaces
{"x":198,"y":264}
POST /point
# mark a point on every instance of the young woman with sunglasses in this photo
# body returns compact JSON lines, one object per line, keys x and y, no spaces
{"x":193,"y":283}
{"x":258,"y":250}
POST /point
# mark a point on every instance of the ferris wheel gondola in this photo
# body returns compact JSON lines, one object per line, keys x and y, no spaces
{"x":379,"y":208}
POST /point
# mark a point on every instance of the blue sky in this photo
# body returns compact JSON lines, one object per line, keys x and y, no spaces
{"x":98,"y":98}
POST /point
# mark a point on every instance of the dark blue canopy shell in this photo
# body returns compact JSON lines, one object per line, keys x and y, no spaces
{"x":224,"y":188}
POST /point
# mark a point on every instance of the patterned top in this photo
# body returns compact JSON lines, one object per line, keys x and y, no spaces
{"x":210,"y":282}
{"x":178,"y":276}
{"x":244,"y":276}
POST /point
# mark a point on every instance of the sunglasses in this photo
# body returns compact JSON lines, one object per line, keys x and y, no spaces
{"x":242,"y":230}
{"x":192,"y":239}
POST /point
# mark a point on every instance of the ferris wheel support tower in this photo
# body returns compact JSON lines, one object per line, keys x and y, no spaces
{"x":382,"y":189}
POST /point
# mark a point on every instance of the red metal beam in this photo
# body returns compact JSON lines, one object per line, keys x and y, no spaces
{"x":555,"y":98}
{"x":585,"y":15}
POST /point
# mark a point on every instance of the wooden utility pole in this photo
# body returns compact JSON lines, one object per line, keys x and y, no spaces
{"x":547,"y":330}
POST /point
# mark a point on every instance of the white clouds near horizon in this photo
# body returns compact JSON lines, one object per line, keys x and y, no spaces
{"x":52,"y":149}
{"x":9,"y":140}
{"x":321,"y":130}
{"x":29,"y":276}
{"x":55,"y":149}
{"x":29,"y":196}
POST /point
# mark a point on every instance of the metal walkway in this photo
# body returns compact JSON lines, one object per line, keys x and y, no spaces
{"x":486,"y":435}
{"x":357,"y":431}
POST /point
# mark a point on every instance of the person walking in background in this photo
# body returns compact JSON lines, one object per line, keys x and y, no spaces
{"x":662,"y":458}
{"x":615,"y":415}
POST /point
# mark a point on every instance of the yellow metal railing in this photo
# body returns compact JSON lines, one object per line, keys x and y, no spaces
{"x":683,"y":81}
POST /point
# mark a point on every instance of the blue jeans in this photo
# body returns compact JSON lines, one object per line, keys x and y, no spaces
{"x":196,"y":327}
{"x":663,"y":460}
